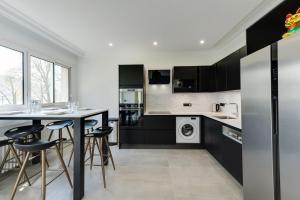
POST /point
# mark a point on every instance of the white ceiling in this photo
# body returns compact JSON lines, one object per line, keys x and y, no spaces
{"x":177,"y":25}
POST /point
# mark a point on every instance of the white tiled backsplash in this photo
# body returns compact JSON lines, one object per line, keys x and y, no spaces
{"x":161,"y":98}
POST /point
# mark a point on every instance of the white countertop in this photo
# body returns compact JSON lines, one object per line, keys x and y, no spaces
{"x":237,"y":123}
{"x":51,"y":114}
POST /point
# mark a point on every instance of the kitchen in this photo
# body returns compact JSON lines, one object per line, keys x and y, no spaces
{"x":166,"y":119}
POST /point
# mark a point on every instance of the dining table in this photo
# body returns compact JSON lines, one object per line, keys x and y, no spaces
{"x":78,"y":118}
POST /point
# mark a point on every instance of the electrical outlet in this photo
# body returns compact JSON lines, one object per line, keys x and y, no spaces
{"x":187,"y":104}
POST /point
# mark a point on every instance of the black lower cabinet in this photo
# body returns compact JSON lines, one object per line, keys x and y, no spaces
{"x":232,"y":159}
{"x":155,"y":130}
{"x":131,"y":136}
{"x":225,"y":150}
{"x":213,"y":138}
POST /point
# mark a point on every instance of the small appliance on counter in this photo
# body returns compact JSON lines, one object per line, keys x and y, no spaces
{"x":216,"y":107}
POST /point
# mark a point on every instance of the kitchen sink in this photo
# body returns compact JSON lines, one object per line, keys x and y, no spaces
{"x":225,"y":117}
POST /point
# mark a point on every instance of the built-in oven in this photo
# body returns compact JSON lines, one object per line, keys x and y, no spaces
{"x":131,"y":114}
{"x":132,"y":96}
{"x":131,"y":108}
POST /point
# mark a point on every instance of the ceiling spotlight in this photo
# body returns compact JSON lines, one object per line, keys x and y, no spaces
{"x":202,"y":41}
{"x":155,"y":43}
{"x":111,"y":44}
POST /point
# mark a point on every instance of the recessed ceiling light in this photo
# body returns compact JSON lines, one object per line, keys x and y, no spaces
{"x":202,"y":41}
{"x":155,"y":43}
{"x":111,"y":44}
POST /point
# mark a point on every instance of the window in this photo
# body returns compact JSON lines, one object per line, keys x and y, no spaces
{"x":61,"y":84}
{"x":42,"y":80}
{"x":49,"y":81}
{"x":11,"y":77}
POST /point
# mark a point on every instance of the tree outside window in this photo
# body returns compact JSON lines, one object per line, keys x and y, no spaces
{"x":11,"y":77}
{"x":42,"y":80}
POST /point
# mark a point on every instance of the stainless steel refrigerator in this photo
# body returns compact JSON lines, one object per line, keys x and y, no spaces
{"x":270,"y":88}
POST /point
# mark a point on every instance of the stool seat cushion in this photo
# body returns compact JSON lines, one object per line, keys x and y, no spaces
{"x":90,"y":123}
{"x":59,"y":124}
{"x":23,"y":131}
{"x":100,"y":132}
{"x":36,"y":145}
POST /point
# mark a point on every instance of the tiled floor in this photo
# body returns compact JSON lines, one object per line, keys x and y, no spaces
{"x":144,"y":175}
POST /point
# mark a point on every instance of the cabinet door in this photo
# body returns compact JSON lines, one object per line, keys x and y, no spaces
{"x":207,"y":79}
{"x":131,"y":76}
{"x":159,"y":122}
{"x":132,"y":136}
{"x":232,"y":158}
{"x":185,"y":79}
{"x":233,"y":71}
{"x":213,"y":137}
{"x":221,"y":75}
{"x":160,"y":137}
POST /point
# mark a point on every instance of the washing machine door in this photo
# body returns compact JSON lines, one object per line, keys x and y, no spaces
{"x":187,"y":131}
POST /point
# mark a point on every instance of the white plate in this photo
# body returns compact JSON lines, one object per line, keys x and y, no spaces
{"x":55,"y":112}
{"x":83,"y":109}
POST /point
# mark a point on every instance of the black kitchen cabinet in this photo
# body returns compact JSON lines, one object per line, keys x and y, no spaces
{"x":206,"y":79}
{"x":270,"y":28}
{"x":155,"y":130}
{"x":233,"y":71}
{"x":131,"y":136}
{"x":131,"y":76}
{"x":213,"y":138}
{"x":225,"y":150}
{"x":160,"y":122}
{"x":221,"y":75}
{"x":185,"y":79}
{"x":232,"y":158}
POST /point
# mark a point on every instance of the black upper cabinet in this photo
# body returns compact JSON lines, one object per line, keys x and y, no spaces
{"x":233,"y":71}
{"x":221,"y":75}
{"x":131,"y":76}
{"x":185,"y":79}
{"x":207,"y":79}
{"x":270,"y":28}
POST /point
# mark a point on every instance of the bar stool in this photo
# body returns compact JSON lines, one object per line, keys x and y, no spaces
{"x":89,"y":125}
{"x":101,"y":134}
{"x":11,"y":148}
{"x":59,"y":126}
{"x":34,"y":145}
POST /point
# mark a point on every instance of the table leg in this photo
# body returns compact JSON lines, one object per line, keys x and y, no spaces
{"x":78,"y":191}
{"x":37,"y":159}
{"x":104,"y":148}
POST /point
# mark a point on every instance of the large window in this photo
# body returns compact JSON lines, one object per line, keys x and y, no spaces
{"x":11,"y":77}
{"x":61,"y":84}
{"x":49,"y":81}
{"x":41,"y":80}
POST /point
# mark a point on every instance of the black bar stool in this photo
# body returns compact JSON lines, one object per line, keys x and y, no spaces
{"x":11,"y":148}
{"x":34,"y":145}
{"x":101,"y":134}
{"x":59,"y":126}
{"x":89,"y":125}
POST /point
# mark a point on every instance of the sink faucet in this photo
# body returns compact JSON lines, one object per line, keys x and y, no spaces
{"x":235,"y":112}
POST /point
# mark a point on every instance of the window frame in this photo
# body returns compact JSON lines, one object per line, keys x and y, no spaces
{"x":55,"y":62}
{"x":24,"y":78}
{"x":69,"y":82}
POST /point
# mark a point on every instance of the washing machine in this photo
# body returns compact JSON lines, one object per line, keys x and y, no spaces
{"x":188,"y":130}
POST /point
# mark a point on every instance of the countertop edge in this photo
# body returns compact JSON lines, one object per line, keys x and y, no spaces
{"x":233,"y":123}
